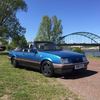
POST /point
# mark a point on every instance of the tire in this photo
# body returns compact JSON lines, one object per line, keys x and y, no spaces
{"x":47,"y":69}
{"x":14,"y":62}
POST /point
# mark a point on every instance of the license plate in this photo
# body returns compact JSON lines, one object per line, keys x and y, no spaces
{"x":79,"y":66}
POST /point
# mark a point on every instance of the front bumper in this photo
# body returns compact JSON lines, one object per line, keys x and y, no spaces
{"x":66,"y":68}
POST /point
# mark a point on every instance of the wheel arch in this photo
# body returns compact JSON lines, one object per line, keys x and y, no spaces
{"x":13,"y":56}
{"x":51,"y":68}
{"x":46,"y":59}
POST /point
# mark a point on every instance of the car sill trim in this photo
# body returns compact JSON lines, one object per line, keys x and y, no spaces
{"x":25,"y":60}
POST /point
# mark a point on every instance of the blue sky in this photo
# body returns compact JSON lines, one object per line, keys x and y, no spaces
{"x":76,"y":15}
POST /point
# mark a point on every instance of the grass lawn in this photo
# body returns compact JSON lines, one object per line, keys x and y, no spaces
{"x":22,"y":84}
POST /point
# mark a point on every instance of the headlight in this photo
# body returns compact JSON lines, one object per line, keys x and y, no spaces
{"x":64,"y":61}
{"x":84,"y":59}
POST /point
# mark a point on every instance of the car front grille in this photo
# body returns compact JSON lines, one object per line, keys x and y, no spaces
{"x":76,"y":60}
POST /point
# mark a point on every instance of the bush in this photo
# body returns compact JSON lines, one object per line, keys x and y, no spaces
{"x":77,"y":49}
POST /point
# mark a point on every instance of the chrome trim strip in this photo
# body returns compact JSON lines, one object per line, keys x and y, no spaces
{"x":61,"y":65}
{"x":25,"y":60}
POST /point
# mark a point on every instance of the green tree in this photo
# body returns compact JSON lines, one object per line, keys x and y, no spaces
{"x":9,"y":24}
{"x":3,"y":41}
{"x":50,"y":30}
{"x":19,"y":41}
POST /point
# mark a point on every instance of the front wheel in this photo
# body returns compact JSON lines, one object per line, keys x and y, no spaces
{"x":47,"y":69}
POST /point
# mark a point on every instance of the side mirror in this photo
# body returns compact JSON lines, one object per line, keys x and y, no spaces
{"x":34,"y":51}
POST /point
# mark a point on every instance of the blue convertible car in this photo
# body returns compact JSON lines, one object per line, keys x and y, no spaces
{"x":48,"y":58}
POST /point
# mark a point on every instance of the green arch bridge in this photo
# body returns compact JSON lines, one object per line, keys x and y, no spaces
{"x":93,"y":37}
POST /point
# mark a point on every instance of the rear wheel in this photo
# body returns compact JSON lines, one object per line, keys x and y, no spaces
{"x":47,"y":69}
{"x":14,"y":62}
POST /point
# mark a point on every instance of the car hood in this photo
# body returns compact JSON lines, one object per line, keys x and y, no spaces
{"x":64,"y":54}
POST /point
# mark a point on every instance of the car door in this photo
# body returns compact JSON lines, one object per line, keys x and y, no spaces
{"x":21,"y":56}
{"x":32,"y":58}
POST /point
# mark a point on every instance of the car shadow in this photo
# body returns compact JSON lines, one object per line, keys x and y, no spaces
{"x":78,"y":74}
{"x":72,"y":75}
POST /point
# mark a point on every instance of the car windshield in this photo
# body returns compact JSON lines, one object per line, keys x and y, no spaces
{"x":47,"y":46}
